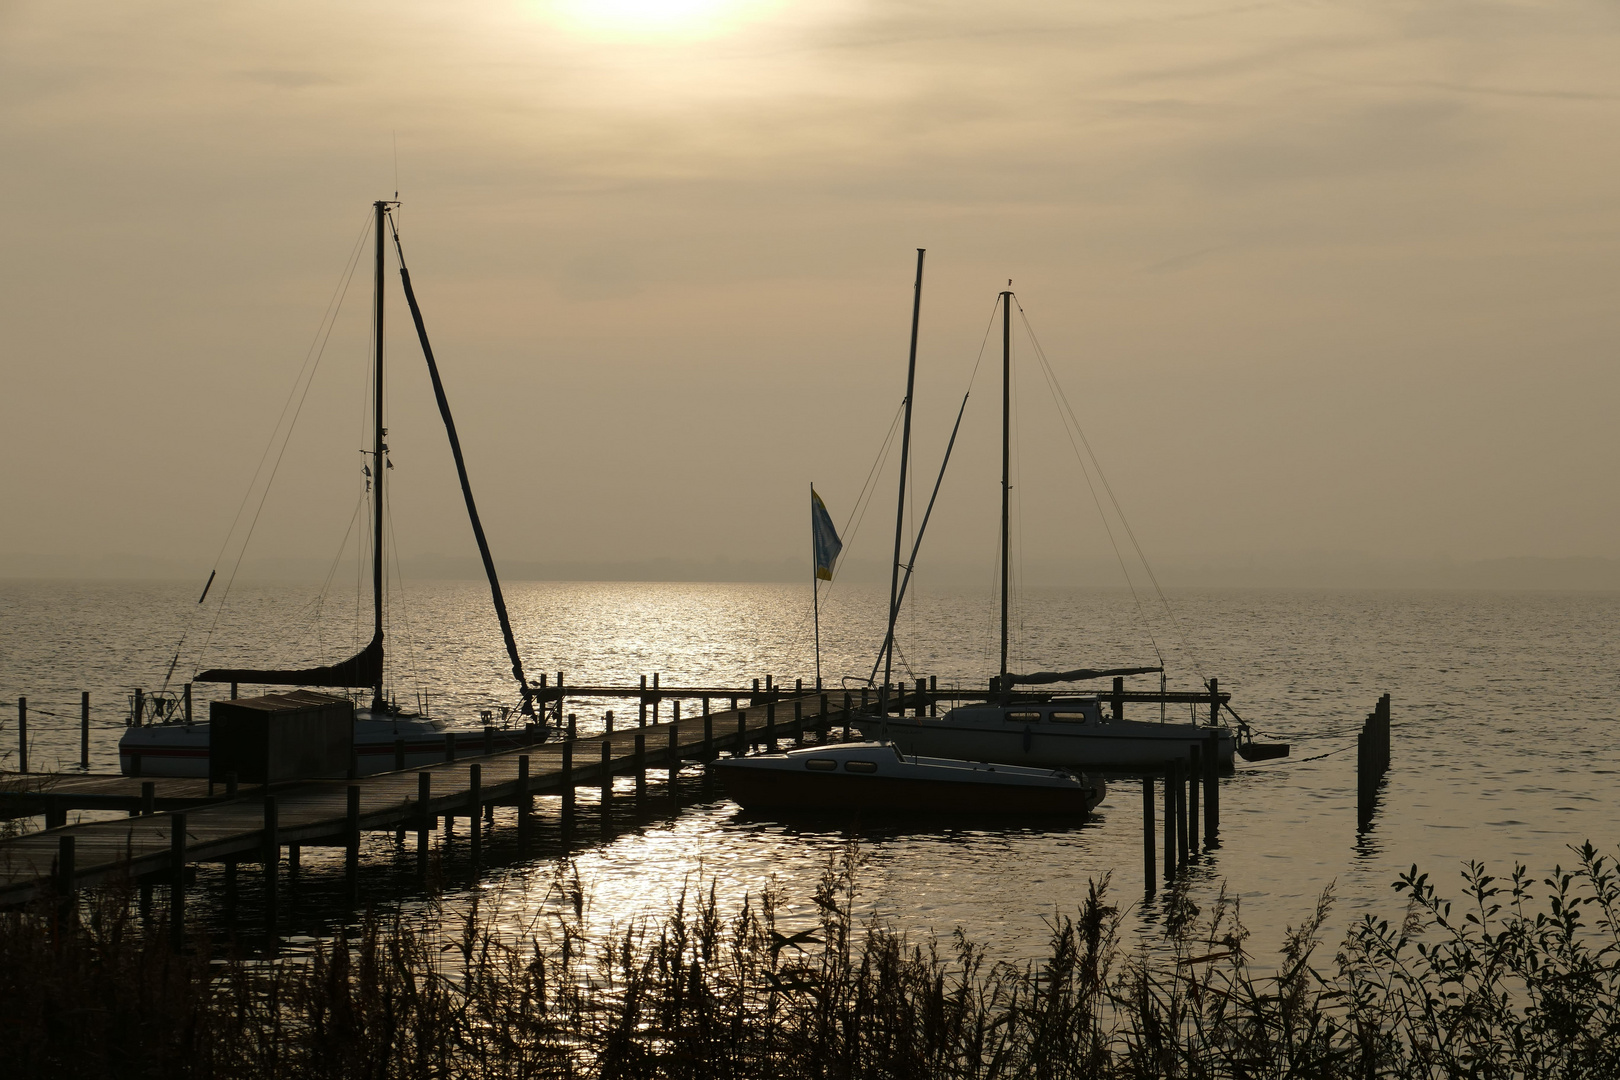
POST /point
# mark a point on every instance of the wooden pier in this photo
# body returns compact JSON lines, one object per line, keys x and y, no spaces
{"x":254,"y":825}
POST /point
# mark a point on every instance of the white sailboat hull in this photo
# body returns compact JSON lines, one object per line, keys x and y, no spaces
{"x":1026,"y":735}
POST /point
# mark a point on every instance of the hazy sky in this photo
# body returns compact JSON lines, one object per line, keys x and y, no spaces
{"x":1316,"y":276}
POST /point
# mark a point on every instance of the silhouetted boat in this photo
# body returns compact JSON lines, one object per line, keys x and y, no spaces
{"x":876,"y":777}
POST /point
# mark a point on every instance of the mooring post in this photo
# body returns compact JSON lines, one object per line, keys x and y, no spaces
{"x":770,"y":725}
{"x":560,"y":706}
{"x":846,"y":714}
{"x":22,"y":734}
{"x":798,"y":721}
{"x":139,"y":715}
{"x":641,"y":765}
{"x":489,"y":740}
{"x":272,"y":865}
{"x":1170,"y":821}
{"x":1195,"y":779}
{"x":607,"y":776}
{"x":641,"y":707}
{"x":148,"y":798}
{"x":755,"y":699}
{"x":424,"y":820}
{"x":475,"y":805}
{"x":1150,"y":857}
{"x":177,"y":880}
{"x":84,"y":729}
{"x":351,"y":856}
{"x":608,"y":720}
{"x":1212,"y":789}
{"x":573,"y":728}
{"x":64,"y":881}
{"x":742,"y":731}
{"x":823,"y":717}
{"x":933,"y":695}
{"x":449,"y":746}
{"x":525,"y":805}
{"x":399,"y":754}
{"x":708,"y":732}
{"x":922,"y":698}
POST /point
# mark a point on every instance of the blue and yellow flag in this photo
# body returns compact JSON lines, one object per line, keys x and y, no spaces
{"x":824,"y":538}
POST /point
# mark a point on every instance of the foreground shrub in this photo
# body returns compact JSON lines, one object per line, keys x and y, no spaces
{"x":1507,"y":983}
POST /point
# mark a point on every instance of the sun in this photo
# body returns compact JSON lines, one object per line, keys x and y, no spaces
{"x":658,"y":18}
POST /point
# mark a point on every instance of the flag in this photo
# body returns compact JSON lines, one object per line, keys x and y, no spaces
{"x":824,"y":538}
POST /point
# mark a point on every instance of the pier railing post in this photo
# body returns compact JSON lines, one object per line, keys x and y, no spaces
{"x":84,"y":729}
{"x":177,"y":881}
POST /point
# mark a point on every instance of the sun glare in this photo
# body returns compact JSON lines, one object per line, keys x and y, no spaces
{"x":659,"y":18}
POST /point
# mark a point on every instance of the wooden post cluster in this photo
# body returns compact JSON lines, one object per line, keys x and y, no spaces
{"x":1372,"y":761}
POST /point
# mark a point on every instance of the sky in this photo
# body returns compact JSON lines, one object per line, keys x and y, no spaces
{"x":1318,"y":280}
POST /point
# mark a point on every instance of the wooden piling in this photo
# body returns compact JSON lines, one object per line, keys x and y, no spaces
{"x":608,"y":721}
{"x":525,"y":804}
{"x":65,"y":889}
{"x":673,"y":754}
{"x":1150,"y":857}
{"x":1183,"y":842}
{"x":351,"y":855}
{"x":641,"y":765}
{"x":424,"y":820}
{"x":847,"y":709}
{"x":708,"y":732}
{"x":742,"y":732}
{"x":84,"y":729}
{"x":1212,"y":790}
{"x":567,"y":790}
{"x":770,"y":726}
{"x":22,"y":734}
{"x":933,"y":695}
{"x":272,"y":864}
{"x":641,"y":706}
{"x":607,"y":776}
{"x":573,"y":728}
{"x":177,"y":881}
{"x":798,"y":721}
{"x":1170,"y":821}
{"x":475,"y":806}
{"x":1195,"y":779}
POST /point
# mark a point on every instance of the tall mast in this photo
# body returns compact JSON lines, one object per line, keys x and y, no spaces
{"x":905,"y":457}
{"x":1006,"y":476}
{"x":378,"y":451}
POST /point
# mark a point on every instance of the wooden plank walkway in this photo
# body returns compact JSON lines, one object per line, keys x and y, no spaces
{"x":336,"y":812}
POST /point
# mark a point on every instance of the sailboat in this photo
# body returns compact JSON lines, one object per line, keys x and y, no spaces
{"x":175,"y":745}
{"x":1033,"y":728}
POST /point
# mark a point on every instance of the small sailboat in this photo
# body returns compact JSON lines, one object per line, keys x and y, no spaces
{"x":1035,"y":729}
{"x":175,"y":745}
{"x":877,"y":777}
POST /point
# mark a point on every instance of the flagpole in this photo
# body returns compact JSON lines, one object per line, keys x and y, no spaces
{"x":815,"y":583}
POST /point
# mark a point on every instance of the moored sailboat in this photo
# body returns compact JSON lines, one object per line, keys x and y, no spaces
{"x":176,"y":745}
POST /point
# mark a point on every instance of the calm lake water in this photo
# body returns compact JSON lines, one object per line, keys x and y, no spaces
{"x":1504,"y":732}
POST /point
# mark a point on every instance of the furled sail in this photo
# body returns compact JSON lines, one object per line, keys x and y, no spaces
{"x":1077,"y":675}
{"x":364,"y":668}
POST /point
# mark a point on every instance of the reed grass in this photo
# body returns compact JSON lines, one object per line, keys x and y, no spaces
{"x":1517,"y":978}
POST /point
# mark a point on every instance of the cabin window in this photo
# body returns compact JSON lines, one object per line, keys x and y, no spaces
{"x":1069,"y":717}
{"x":861,"y":766}
{"x":821,"y":764}
{"x":1023,"y":717}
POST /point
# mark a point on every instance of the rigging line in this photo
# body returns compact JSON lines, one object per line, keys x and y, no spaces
{"x":868,"y":490}
{"x":1147,"y":566}
{"x":320,"y":352}
{"x":1071,"y":421}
